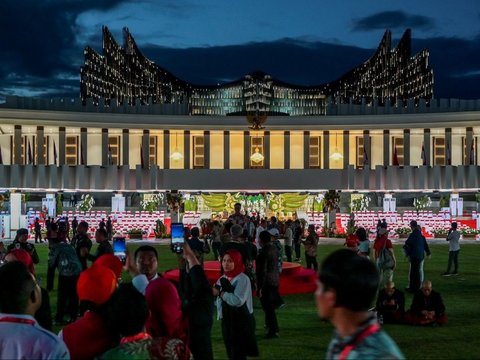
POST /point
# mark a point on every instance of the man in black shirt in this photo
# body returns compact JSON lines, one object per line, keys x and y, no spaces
{"x":20,"y":242}
{"x":104,"y":247}
{"x":82,"y":243}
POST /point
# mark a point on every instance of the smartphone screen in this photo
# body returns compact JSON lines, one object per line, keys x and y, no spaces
{"x":177,"y":237}
{"x":120,"y":248}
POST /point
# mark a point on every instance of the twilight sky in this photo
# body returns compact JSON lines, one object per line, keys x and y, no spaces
{"x":303,"y":42}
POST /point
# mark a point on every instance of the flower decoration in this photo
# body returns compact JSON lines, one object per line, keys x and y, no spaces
{"x":86,"y":203}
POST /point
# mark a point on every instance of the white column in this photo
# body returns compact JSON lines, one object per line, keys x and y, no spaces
{"x":15,"y":213}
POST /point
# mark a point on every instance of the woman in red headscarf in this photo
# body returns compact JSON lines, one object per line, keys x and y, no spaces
{"x":235,"y":308}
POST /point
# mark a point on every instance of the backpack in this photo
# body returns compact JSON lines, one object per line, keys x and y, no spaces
{"x":385,"y":258}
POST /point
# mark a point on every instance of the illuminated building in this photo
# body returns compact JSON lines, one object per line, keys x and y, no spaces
{"x":125,"y":76}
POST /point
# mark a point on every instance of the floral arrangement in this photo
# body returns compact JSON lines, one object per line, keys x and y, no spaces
{"x":86,"y":203}
{"x":470,"y":232}
{"x":440,"y":233}
{"x":255,"y":204}
{"x":150,"y":202}
{"x":403,"y":231}
{"x":422,"y":202}
{"x":360,"y":203}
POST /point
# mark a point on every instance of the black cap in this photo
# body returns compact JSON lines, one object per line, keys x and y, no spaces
{"x":22,"y":231}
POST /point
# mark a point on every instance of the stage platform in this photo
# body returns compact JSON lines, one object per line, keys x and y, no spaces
{"x":294,"y":278}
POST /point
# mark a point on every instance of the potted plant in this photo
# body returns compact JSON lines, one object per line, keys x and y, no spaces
{"x":469,"y":233}
{"x":440,"y":233}
{"x":135,"y":234}
{"x":403,"y":232}
{"x":160,"y":230}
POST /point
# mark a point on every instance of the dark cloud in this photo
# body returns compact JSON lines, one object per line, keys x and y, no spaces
{"x":41,"y":42}
{"x":393,"y":20}
{"x":43,"y":56}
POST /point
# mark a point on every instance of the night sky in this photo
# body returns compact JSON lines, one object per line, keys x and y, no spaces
{"x":214,"y":41}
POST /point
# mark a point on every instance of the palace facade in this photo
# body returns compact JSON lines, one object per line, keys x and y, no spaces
{"x":405,"y":146}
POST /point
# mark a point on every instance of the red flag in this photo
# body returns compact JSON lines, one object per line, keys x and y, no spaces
{"x":142,"y":161}
{"x":395,"y":156}
{"x":54,"y":153}
{"x":424,"y":156}
{"x":30,"y":156}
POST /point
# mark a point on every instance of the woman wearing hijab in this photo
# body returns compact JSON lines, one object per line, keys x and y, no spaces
{"x":235,"y":308}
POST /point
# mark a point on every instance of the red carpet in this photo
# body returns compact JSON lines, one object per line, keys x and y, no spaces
{"x":294,"y":279}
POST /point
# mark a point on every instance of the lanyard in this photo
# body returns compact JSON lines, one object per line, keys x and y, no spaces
{"x":16,"y":320}
{"x":369,"y":330}
{"x":138,"y":337}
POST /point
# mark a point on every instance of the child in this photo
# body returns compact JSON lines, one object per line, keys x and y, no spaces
{"x":235,"y":308}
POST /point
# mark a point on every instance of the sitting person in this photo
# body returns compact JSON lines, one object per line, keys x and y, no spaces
{"x":127,"y":313}
{"x":427,"y":307}
{"x":390,"y":304}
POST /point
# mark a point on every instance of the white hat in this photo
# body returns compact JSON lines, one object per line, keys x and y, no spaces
{"x":274,"y":232}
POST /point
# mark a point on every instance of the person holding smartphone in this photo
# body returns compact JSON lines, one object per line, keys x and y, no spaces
{"x":197,"y":304}
{"x":453,"y":239}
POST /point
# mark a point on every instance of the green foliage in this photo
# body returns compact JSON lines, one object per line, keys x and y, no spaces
{"x":422,"y":202}
{"x":190,"y":205}
{"x":444,"y":201}
{"x":403,"y":231}
{"x":331,"y":200}
{"x":160,"y":230}
{"x":86,"y":203}
{"x":58,"y":204}
{"x":135,"y":234}
{"x":440,"y":233}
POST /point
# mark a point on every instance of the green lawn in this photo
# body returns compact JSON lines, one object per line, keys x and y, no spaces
{"x":304,"y":336}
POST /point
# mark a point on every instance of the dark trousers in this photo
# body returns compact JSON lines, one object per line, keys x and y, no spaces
{"x":38,"y":236}
{"x":216,"y":246}
{"x":453,"y":260}
{"x":50,"y":278}
{"x":297,"y":251}
{"x":311,"y":262}
{"x":415,"y":274}
{"x":288,"y":253}
{"x":270,"y":301}
{"x":67,"y":299}
{"x":201,"y":344}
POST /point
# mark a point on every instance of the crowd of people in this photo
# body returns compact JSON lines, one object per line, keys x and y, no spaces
{"x":151,"y":317}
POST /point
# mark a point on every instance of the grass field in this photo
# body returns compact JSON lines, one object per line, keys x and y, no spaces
{"x":304,"y":336}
